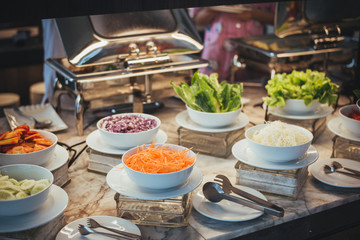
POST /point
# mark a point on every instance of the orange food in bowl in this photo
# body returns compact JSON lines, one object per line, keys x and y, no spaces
{"x":22,"y":140}
{"x":159,"y":160}
{"x":159,"y":166}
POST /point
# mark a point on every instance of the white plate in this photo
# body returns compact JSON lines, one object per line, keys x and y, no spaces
{"x":335,"y":126}
{"x":40,"y":112}
{"x":323,"y":111}
{"x":232,"y":8}
{"x":226,"y":210}
{"x":336,"y":179}
{"x":184,"y":120}
{"x":118,"y":180}
{"x":242,"y":152}
{"x":58,"y":159}
{"x":70,"y":231}
{"x":95,"y":142}
{"x":52,"y":208}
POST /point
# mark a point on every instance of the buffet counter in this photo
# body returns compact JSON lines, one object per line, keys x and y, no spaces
{"x":318,"y":210}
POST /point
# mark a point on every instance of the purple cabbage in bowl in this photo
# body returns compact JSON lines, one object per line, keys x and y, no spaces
{"x":128,"y":124}
{"x":128,"y":130}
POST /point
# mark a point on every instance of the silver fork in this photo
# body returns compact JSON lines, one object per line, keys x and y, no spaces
{"x":84,"y":230}
{"x":127,"y":235}
{"x":269,"y":208}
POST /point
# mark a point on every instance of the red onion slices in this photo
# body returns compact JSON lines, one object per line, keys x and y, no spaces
{"x":128,"y":124}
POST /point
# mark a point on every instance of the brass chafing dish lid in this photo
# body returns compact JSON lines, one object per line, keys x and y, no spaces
{"x":103,"y":39}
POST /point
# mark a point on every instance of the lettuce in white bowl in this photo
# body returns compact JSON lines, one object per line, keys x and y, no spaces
{"x":306,"y":85}
{"x":206,"y":94}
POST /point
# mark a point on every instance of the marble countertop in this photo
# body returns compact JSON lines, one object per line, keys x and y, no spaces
{"x":89,"y":195}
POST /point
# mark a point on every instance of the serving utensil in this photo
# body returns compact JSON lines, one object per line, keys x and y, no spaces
{"x":94,"y":224}
{"x":227,"y":187}
{"x":214,"y":193}
{"x":336,"y":165}
{"x":328,"y":170}
{"x":358,"y":104}
{"x":84,"y":230}
{"x":37,"y":123}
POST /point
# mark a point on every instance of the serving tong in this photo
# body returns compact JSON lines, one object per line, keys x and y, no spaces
{"x":250,"y":200}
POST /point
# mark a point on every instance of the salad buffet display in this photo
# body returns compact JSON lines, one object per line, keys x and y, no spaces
{"x":151,"y":169}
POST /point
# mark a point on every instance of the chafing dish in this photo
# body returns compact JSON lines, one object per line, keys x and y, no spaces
{"x":306,"y":35}
{"x":124,"y":58}
{"x":270,"y":54}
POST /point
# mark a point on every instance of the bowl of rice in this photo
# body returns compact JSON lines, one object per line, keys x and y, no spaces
{"x":127,"y":130}
{"x":278,"y":141}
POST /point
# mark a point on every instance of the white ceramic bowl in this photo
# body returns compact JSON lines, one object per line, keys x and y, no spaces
{"x":349,"y":124}
{"x":37,"y":158}
{"x":297,"y":106}
{"x":129,"y":140}
{"x":213,"y":120}
{"x":159,"y":180}
{"x":27,"y":204}
{"x":274,"y":153}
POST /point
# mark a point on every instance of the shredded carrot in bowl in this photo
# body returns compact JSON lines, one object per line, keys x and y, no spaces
{"x":159,"y":160}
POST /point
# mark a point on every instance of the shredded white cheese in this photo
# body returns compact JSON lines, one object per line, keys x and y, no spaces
{"x":279,"y":134}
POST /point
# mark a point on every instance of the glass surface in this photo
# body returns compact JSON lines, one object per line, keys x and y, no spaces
{"x":280,"y":182}
{"x":344,"y":148}
{"x":172,"y":212}
{"x":215,"y":144}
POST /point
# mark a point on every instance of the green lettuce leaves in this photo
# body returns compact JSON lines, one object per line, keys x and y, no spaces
{"x":206,"y":94}
{"x":309,"y":86}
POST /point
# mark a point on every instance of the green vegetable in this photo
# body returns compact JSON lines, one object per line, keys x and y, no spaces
{"x":206,"y":94}
{"x":309,"y":86}
{"x":356,"y":93}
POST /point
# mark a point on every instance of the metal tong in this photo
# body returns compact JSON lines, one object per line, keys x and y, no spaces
{"x":255,"y":202}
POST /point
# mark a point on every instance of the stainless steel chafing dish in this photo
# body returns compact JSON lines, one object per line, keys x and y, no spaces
{"x":123,"y":58}
{"x":270,"y":54}
{"x":307,"y":34}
